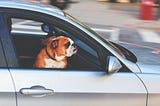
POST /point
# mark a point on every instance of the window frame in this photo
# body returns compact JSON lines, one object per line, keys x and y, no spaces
{"x":7,"y":53}
{"x":62,"y":24}
{"x":3,"y":63}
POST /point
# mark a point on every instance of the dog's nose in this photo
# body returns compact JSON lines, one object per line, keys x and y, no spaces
{"x":74,"y":45}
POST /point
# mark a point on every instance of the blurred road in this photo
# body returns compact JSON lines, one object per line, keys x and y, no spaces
{"x":116,"y":21}
{"x":120,"y":22}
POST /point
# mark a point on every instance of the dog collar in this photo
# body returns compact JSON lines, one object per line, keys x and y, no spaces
{"x":49,"y":54}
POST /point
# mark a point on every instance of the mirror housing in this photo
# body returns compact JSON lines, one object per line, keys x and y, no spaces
{"x":113,"y":64}
{"x":45,"y":28}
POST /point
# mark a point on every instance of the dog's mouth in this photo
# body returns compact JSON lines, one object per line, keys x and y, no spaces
{"x":75,"y":50}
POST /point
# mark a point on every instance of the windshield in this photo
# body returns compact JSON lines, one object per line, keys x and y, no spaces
{"x":119,"y":49}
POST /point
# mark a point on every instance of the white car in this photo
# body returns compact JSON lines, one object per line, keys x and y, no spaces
{"x":102,"y":73}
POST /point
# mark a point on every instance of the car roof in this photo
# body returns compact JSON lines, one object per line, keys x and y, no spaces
{"x":32,"y":6}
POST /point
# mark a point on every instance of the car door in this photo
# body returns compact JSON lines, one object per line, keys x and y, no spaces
{"x":77,"y":86}
{"x":7,"y":88}
{"x":82,"y":88}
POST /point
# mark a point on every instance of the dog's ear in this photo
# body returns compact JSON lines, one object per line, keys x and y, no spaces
{"x":54,"y":44}
{"x":48,"y":40}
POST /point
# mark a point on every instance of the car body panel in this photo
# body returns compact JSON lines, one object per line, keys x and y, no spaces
{"x":152,"y":84}
{"x":7,"y":90}
{"x":148,"y":68}
{"x":83,"y":88}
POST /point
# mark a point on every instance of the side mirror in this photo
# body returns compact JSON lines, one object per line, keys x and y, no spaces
{"x":45,"y":28}
{"x":113,"y":64}
{"x":48,"y":29}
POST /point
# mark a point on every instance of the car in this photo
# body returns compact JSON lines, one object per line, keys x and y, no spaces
{"x":101,"y":73}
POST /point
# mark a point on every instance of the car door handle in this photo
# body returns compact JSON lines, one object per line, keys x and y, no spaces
{"x":36,"y":91}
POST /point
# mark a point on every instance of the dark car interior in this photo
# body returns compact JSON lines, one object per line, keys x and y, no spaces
{"x":28,"y":46}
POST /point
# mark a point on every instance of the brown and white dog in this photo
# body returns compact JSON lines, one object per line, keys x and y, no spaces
{"x":55,"y":53}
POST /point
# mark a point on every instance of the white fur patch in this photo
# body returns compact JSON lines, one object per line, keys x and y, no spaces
{"x":70,"y":50}
{"x":59,"y":58}
{"x":54,"y":64}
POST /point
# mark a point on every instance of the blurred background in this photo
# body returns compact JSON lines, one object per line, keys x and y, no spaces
{"x":135,"y":22}
{"x":134,"y":19}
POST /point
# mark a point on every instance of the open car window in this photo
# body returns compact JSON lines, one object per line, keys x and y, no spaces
{"x":27,"y":36}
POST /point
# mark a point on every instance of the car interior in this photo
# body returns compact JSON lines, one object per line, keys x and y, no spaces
{"x":28,"y":45}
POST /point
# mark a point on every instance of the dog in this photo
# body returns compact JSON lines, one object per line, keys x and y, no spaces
{"x":55,"y":52}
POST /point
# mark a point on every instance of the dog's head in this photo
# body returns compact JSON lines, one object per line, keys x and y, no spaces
{"x":62,"y":46}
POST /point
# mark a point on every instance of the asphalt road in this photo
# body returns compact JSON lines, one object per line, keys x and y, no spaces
{"x":129,"y":35}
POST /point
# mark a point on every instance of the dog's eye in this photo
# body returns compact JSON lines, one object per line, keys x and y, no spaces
{"x":67,"y":45}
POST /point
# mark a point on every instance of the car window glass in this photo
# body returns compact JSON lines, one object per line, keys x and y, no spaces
{"x":28,"y":36}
